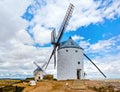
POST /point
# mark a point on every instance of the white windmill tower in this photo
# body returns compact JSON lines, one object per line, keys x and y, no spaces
{"x":70,"y":61}
{"x":69,"y":54}
{"x":39,"y":72}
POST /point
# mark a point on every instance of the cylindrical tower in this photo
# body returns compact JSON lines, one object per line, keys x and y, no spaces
{"x":69,"y":61}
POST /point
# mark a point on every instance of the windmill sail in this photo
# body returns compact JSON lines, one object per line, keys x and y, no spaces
{"x":53,"y":39}
{"x":65,"y":21}
{"x":43,"y":65}
{"x":51,"y":56}
{"x":53,"y":36}
{"x":94,"y":65}
{"x":40,"y":68}
{"x":37,"y":65}
{"x":61,"y":30}
{"x":54,"y":57}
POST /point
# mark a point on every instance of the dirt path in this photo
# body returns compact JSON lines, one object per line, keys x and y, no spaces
{"x":56,"y":86}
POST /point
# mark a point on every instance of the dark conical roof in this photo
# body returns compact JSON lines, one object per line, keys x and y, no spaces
{"x":69,"y":44}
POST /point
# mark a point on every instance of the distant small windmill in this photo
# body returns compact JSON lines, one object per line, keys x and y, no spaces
{"x":69,"y":54}
{"x":39,"y":72}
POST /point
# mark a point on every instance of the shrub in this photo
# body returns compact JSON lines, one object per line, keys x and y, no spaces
{"x":48,"y":77}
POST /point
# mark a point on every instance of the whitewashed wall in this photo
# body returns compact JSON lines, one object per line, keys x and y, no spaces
{"x":38,"y":76}
{"x":67,"y":63}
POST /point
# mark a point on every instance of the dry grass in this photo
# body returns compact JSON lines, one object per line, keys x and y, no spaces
{"x":7,"y":86}
{"x":69,"y":86}
{"x":8,"y":82}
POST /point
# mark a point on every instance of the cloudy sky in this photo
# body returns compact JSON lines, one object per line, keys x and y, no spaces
{"x":25,"y":30}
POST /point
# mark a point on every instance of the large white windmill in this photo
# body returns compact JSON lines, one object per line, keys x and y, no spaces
{"x":69,"y":54}
{"x":39,"y":72}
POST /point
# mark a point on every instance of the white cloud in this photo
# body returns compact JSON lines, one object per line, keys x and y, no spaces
{"x":76,"y":37}
{"x":41,"y":35}
{"x":112,"y":10}
{"x":20,"y":57}
{"x":24,"y":37}
{"x":102,"y":45}
{"x":85,"y":13}
{"x":11,"y":24}
{"x":15,"y":57}
{"x":109,"y":64}
{"x":105,"y":45}
{"x":105,"y":54}
{"x":10,"y":17}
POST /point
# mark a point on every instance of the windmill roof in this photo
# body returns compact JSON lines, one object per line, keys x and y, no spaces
{"x":70,"y":43}
{"x":37,"y":69}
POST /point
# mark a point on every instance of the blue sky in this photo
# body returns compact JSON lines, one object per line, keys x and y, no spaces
{"x":99,"y":31}
{"x":94,"y":25}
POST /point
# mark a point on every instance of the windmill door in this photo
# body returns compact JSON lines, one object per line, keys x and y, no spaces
{"x":78,"y":73}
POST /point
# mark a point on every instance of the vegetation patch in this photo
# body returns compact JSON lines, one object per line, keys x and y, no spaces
{"x":108,"y":88}
{"x":11,"y":89}
{"x":48,"y":77}
{"x":8,"y":82}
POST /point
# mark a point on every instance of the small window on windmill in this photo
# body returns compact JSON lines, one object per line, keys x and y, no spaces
{"x":66,"y":50}
{"x":78,"y":62}
{"x":76,"y":51}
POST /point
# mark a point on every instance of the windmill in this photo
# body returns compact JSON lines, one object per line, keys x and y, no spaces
{"x":70,"y":54}
{"x":39,"y":72}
